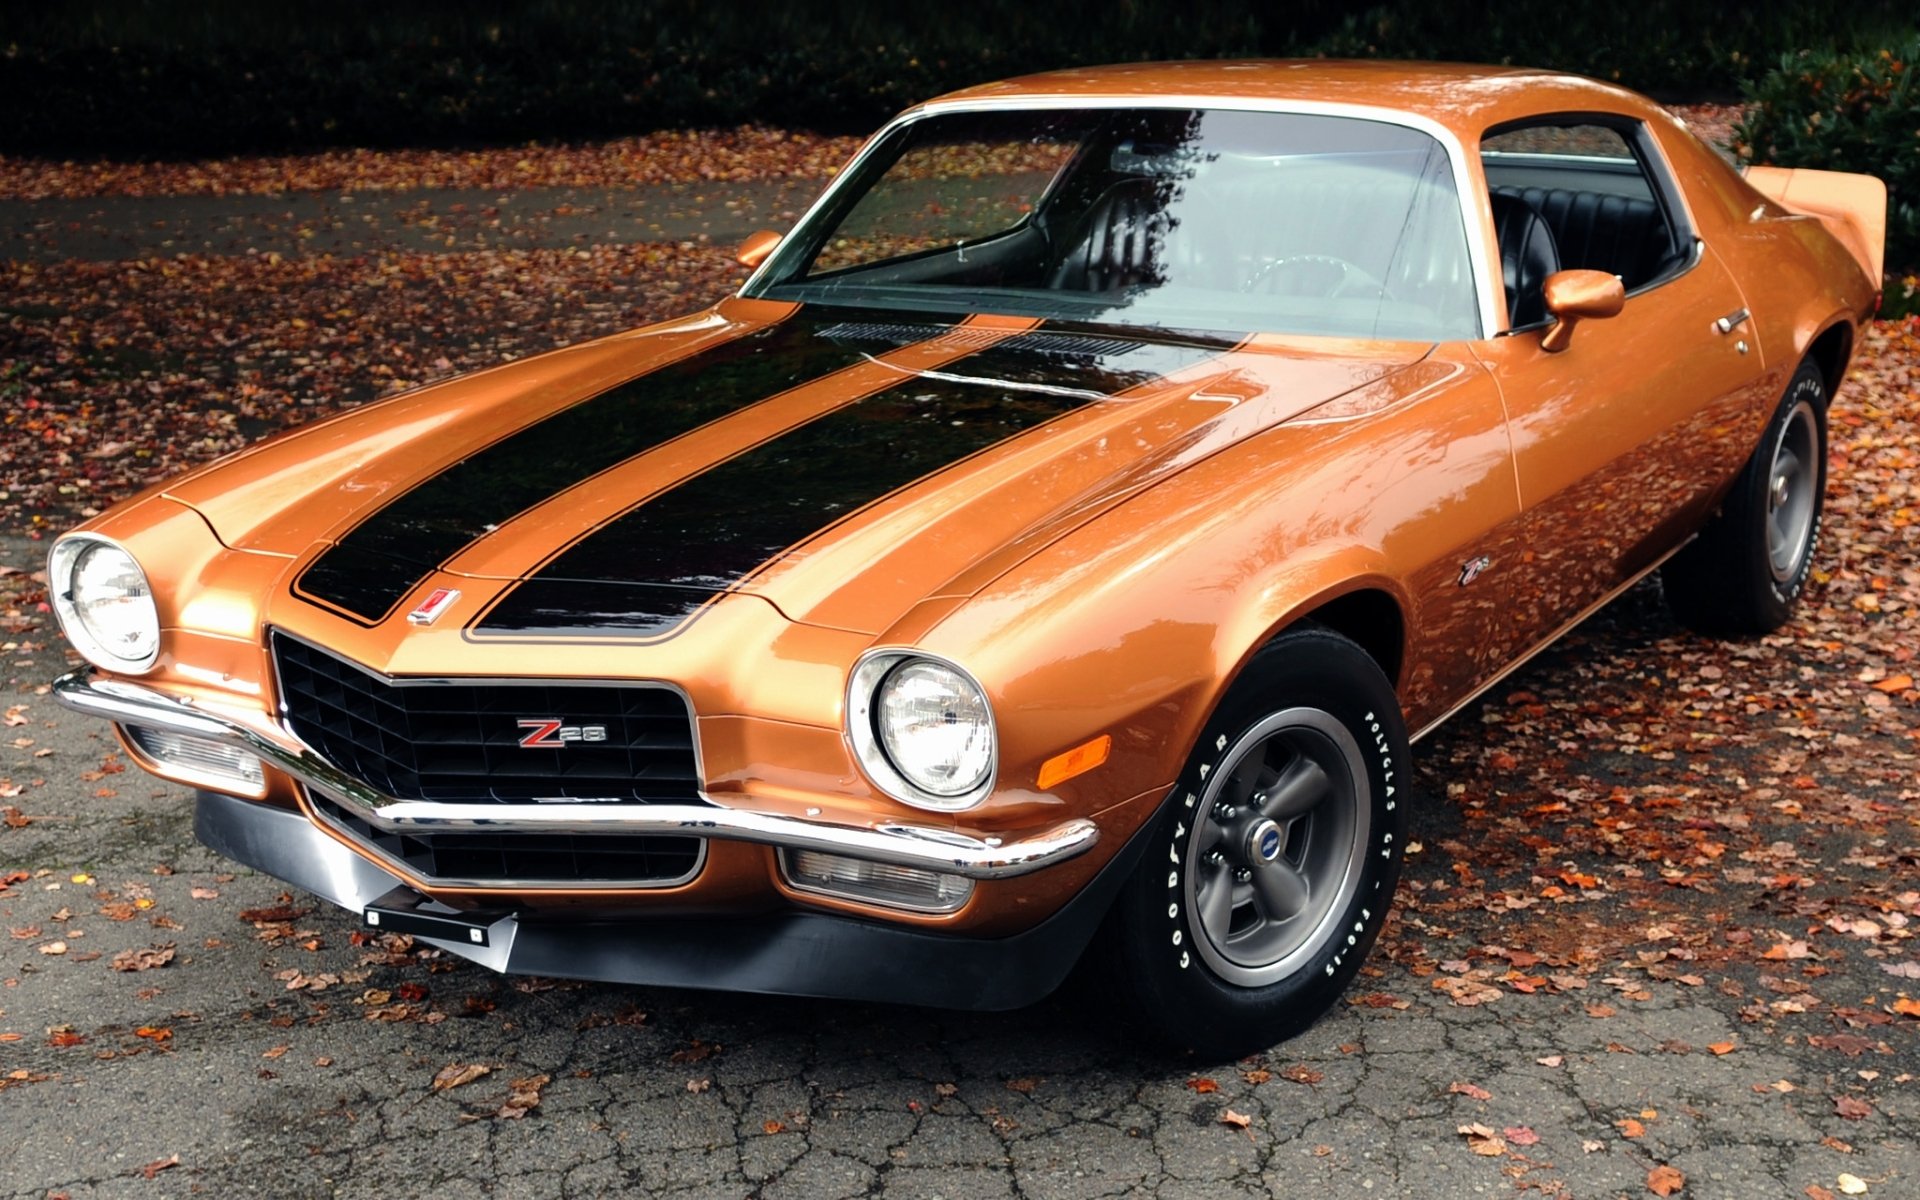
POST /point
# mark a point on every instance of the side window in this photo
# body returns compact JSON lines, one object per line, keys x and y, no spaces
{"x":1596,"y":142}
{"x":1589,"y":184}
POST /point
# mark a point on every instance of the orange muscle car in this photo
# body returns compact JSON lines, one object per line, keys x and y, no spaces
{"x":1048,"y":556}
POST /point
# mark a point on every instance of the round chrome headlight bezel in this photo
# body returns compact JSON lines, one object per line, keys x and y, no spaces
{"x":103,"y":646}
{"x":876,"y":752}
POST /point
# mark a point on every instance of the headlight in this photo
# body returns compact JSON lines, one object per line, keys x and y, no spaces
{"x":922,"y":729}
{"x":104,"y":604}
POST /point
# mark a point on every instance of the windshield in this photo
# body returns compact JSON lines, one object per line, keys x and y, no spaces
{"x":1199,"y":219}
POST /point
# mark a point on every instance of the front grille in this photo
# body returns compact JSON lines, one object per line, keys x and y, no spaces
{"x":456,"y":742}
{"x":506,"y":858}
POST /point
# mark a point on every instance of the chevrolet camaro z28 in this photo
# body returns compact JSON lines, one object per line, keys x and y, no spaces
{"x":1044,"y":558}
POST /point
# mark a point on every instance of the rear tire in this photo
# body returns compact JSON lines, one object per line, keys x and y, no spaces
{"x":1275,"y":858}
{"x":1747,"y":568}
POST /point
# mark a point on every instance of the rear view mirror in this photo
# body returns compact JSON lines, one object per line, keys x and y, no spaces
{"x":755,"y":249}
{"x":1575,"y":296}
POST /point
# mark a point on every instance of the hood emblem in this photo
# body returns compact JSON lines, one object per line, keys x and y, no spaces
{"x":436,"y":603}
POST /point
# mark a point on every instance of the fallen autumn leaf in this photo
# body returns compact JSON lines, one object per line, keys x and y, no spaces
{"x":143,"y":960}
{"x":158,"y":1165}
{"x":455,"y":1075}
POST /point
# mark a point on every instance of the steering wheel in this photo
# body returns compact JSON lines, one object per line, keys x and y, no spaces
{"x":1323,"y":275}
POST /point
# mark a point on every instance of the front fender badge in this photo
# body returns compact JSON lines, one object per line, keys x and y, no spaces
{"x":430,"y":609}
{"x":1472,"y":569}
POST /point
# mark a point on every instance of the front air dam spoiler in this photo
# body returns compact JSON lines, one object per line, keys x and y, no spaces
{"x":789,"y":953}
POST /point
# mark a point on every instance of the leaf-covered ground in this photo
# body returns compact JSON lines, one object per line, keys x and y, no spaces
{"x":1659,"y":920}
{"x":116,"y":374}
{"x":671,"y":156}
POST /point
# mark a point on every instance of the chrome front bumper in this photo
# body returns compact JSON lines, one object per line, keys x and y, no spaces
{"x":788,"y":953}
{"x":898,"y":843}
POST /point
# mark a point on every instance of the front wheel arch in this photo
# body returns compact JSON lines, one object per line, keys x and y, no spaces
{"x":1148,"y":945}
{"x":1369,"y":617}
{"x":1362,"y":603}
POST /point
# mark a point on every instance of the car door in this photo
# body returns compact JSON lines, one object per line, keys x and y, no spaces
{"x":1622,"y":439}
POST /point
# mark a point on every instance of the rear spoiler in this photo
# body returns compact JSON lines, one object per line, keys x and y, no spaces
{"x":1852,"y":207}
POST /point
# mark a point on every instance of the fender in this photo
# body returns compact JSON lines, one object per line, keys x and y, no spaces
{"x":1340,"y":572}
{"x":1149,"y":581}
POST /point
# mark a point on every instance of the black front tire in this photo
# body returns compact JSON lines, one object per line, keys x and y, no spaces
{"x":1746,"y":570}
{"x":1275,"y":858}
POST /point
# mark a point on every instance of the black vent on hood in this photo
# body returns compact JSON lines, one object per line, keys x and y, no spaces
{"x":1032,"y":343}
{"x":469,"y":742}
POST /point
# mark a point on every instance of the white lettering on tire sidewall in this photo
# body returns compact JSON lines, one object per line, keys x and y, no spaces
{"x":1370,"y":903}
{"x":1814,"y":392}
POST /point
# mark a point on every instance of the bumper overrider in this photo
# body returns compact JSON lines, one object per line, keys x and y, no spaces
{"x":803,"y":953}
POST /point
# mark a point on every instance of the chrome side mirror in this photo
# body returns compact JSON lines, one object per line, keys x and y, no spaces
{"x":755,"y":249}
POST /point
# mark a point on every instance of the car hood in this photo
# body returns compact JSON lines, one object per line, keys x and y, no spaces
{"x":842,"y":465}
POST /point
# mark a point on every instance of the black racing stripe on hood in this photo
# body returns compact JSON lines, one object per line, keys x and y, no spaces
{"x":370,"y":570}
{"x":643,"y":573}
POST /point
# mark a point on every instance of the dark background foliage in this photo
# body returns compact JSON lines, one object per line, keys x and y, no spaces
{"x":148,"y":78}
{"x":1847,"y":112}
{"x":1827,"y":85}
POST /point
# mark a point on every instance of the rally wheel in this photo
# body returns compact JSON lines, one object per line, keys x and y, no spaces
{"x":1274,"y":861}
{"x":1746,"y":570}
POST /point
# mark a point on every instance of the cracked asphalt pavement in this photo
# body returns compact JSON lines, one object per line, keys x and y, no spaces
{"x":283,"y":1051}
{"x":1657,"y":922}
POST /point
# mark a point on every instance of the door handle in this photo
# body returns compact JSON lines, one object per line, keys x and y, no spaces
{"x":1732,"y":320}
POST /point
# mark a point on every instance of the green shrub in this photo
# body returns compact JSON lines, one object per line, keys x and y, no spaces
{"x":162,"y":79}
{"x":1676,"y":50}
{"x":1847,"y":112}
{"x":1902,"y":298}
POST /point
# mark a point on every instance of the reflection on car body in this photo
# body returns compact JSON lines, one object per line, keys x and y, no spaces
{"x":1048,"y":557}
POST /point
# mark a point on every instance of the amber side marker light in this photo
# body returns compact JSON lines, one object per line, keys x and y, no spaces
{"x":1077,"y":761}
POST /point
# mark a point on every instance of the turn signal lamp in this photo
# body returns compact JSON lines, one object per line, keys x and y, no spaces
{"x":1077,"y":761}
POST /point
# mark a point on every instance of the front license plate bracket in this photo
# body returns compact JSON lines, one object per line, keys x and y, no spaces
{"x":404,"y":910}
